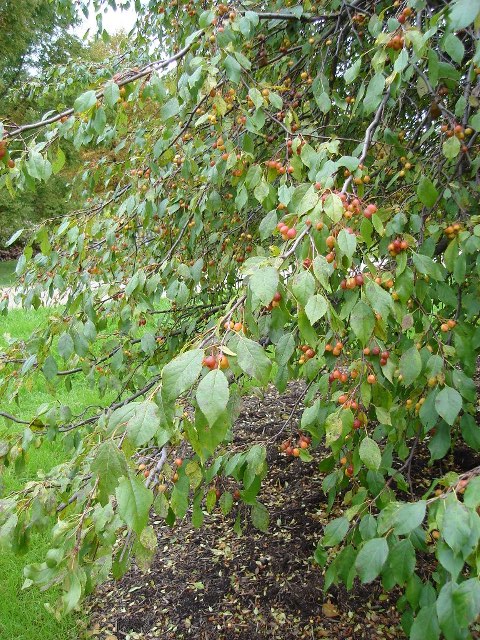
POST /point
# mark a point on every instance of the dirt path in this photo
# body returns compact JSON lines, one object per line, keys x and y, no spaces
{"x":210,"y":584}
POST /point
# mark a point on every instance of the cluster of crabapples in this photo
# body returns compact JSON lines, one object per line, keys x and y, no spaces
{"x":404,"y":15}
{"x":4,"y":156}
{"x":397,"y":246}
{"x":448,"y":325}
{"x":378,"y":353}
{"x":452,"y":230}
{"x":307,"y":353}
{"x":216,"y":361}
{"x":352,"y":282}
{"x":457,"y":130}
{"x":348,"y":467}
{"x":288,"y":233}
{"x":342,"y":376}
{"x":279,"y":167}
{"x":334,"y":349}
{"x":303,"y":442}
{"x":233,"y":326}
{"x":277,"y":296}
{"x":148,"y":471}
{"x":397,"y":42}
{"x":352,"y":206}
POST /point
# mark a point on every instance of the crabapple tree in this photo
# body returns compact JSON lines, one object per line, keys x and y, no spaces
{"x":273,"y":192}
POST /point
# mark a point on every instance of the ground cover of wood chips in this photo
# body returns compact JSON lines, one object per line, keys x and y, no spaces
{"x":211,"y":584}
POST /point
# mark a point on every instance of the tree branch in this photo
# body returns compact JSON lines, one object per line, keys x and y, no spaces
{"x":271,"y":15}
{"x":145,"y":71}
{"x":368,"y":136}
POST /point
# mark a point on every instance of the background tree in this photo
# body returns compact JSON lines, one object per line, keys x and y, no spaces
{"x":300,"y":184}
{"x":35,"y":35}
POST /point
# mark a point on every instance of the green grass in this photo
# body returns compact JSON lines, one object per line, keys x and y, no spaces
{"x":22,"y":613}
{"x":7,"y":273}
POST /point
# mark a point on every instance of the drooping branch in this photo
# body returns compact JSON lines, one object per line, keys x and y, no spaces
{"x":145,"y":71}
{"x":8,"y":416}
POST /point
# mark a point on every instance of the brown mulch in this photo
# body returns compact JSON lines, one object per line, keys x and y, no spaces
{"x":211,"y":584}
{"x":10,"y":253}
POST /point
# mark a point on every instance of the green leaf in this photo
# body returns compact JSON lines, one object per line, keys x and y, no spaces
{"x":333,"y":207}
{"x":252,"y":360}
{"x":212,"y":395}
{"x":323,"y":101}
{"x":458,"y":606}
{"x":410,"y":365}
{"x":148,"y":343}
{"x":316,"y":308}
{"x":425,"y":626}
{"x":59,"y":162}
{"x":454,"y":47}
{"x":285,"y":349}
{"x":109,"y":465}
{"x":362,"y":321}
{"x":380,"y":300}
{"x":134,"y":501}
{"x":267,"y":225}
{"x":181,"y":373}
{"x":370,"y":454}
{"x":456,"y":527}
{"x":402,"y":561}
{"x":226,"y":502}
{"x":38,"y":166}
{"x":303,"y":287}
{"x":470,"y":431}
{"x":373,"y":95}
{"x":179,"y":499}
{"x":346,"y":243}
{"x":371,"y":559}
{"x":261,"y":191}
{"x":426,"y":191}
{"x":50,"y":368}
{"x":232,"y":68}
{"x":462,"y":13}
{"x":73,"y":591}
{"x":308,"y":201}
{"x":111,"y":94}
{"x":408,"y":517}
{"x":84,"y":102}
{"x":451,"y":147}
{"x":170,"y":109}
{"x":352,"y":72}
{"x":260,"y":517}
{"x":145,"y":548}
{"x":263,"y":284}
{"x":448,"y":404}
{"x":335,"y":532}
{"x":65,"y":346}
{"x":427,"y":266}
{"x":206,"y":18}
{"x":257,"y":99}
{"x":143,"y":424}
{"x":471,"y":498}
{"x":14,"y":237}
{"x":333,"y":428}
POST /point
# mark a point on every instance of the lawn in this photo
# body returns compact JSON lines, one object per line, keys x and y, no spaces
{"x":22,"y":613}
{"x":7,"y":272}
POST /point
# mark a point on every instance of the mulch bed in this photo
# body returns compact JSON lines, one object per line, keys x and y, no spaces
{"x":210,"y":584}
